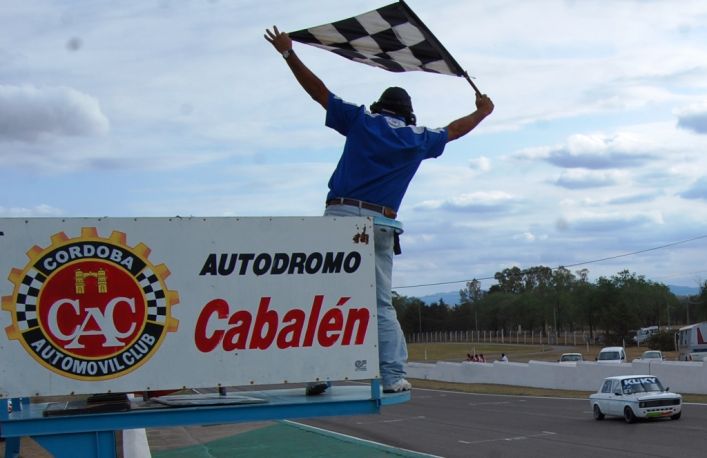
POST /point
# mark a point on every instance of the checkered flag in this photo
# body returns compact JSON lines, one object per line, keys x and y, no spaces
{"x":392,"y":38}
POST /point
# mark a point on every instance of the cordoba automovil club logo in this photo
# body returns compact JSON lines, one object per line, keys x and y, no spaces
{"x":90,"y":308}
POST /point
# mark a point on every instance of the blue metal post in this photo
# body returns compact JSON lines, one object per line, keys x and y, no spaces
{"x":96,"y":444}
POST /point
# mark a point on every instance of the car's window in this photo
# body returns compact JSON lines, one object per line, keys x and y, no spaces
{"x":606,"y":388}
{"x":616,"y":388}
{"x":608,"y":355}
{"x":641,"y":385}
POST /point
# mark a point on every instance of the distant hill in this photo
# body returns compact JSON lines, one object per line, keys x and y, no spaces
{"x":449,"y":298}
{"x":452,"y":297}
{"x":684,"y":290}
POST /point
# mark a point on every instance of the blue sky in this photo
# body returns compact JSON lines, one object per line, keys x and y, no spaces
{"x":597,"y":146}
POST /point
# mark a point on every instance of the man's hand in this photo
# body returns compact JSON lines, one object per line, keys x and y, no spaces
{"x":462,"y":126}
{"x":484,"y":105}
{"x":308,"y":80}
{"x":280,"y":40}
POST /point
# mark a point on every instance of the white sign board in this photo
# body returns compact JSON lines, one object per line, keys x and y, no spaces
{"x":132,"y":304}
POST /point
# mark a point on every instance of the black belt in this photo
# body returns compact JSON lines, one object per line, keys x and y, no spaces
{"x":385,"y":211}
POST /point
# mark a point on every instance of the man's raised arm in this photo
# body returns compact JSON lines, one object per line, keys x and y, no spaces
{"x":308,"y":80}
{"x":462,"y":126}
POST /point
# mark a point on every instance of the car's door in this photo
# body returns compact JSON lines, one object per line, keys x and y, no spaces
{"x":615,"y":395}
{"x":603,"y":396}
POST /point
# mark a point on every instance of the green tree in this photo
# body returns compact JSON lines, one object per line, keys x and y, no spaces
{"x":540,"y":298}
{"x":563,"y":284}
{"x":509,"y":281}
{"x":471,"y":293}
{"x":701,"y":312}
{"x":409,"y":310}
{"x":587,"y":299}
{"x":437,"y":316}
{"x":466,"y":315}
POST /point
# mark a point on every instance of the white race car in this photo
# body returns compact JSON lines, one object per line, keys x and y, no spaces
{"x":635,"y":396}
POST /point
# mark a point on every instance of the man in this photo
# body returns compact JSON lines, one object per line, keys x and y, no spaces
{"x":382,"y":152}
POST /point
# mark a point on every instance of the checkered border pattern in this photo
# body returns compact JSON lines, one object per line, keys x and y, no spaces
{"x":391,"y":37}
{"x":26,"y":302}
{"x":155,"y":295}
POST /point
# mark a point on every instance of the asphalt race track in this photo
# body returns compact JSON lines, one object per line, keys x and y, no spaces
{"x":450,"y":424}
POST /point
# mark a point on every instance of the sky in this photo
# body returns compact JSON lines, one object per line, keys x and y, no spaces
{"x":597,"y":147}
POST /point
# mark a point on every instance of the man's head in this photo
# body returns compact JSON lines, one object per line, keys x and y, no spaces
{"x":397,"y":101}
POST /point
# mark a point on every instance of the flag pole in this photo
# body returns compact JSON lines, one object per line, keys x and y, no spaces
{"x":468,"y":78}
{"x":455,"y":67}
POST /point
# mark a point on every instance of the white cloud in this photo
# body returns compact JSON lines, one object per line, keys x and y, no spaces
{"x":634,"y":198}
{"x":621,"y":150}
{"x":29,"y":113}
{"x":481,"y":163}
{"x":42,"y":210}
{"x":698,"y":190}
{"x":475,"y":202}
{"x":207,"y":121}
{"x":582,"y":179}
{"x":694,"y":118}
{"x":525,"y":236}
{"x":607,"y":221}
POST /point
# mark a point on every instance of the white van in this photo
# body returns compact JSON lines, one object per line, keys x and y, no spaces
{"x":644,"y":334}
{"x":691,"y":341}
{"x":612,"y":355}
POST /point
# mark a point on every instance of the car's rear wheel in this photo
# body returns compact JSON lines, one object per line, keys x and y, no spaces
{"x":598,"y":415}
{"x":676,"y":416}
{"x":628,"y":415}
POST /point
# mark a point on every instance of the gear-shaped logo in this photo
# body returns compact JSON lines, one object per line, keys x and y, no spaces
{"x":90,"y":308}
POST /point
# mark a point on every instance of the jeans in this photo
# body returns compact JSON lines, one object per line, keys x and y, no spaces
{"x":392,"y":349}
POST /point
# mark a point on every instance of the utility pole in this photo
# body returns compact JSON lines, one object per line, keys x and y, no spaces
{"x":420,"y":317}
{"x":419,"y":309}
{"x":687,"y":308}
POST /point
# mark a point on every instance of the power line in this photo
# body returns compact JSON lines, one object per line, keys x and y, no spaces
{"x":632,"y":253}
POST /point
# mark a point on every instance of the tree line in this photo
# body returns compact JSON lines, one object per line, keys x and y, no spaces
{"x":549,"y":300}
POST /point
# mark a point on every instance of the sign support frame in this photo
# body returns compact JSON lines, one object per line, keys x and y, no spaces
{"x":93,"y":435}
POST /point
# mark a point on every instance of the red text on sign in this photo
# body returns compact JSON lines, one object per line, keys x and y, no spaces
{"x":240,"y":330}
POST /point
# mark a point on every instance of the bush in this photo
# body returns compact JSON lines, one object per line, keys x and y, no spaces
{"x":662,"y":340}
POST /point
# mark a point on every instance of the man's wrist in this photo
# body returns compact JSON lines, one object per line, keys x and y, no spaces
{"x":287,"y":53}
